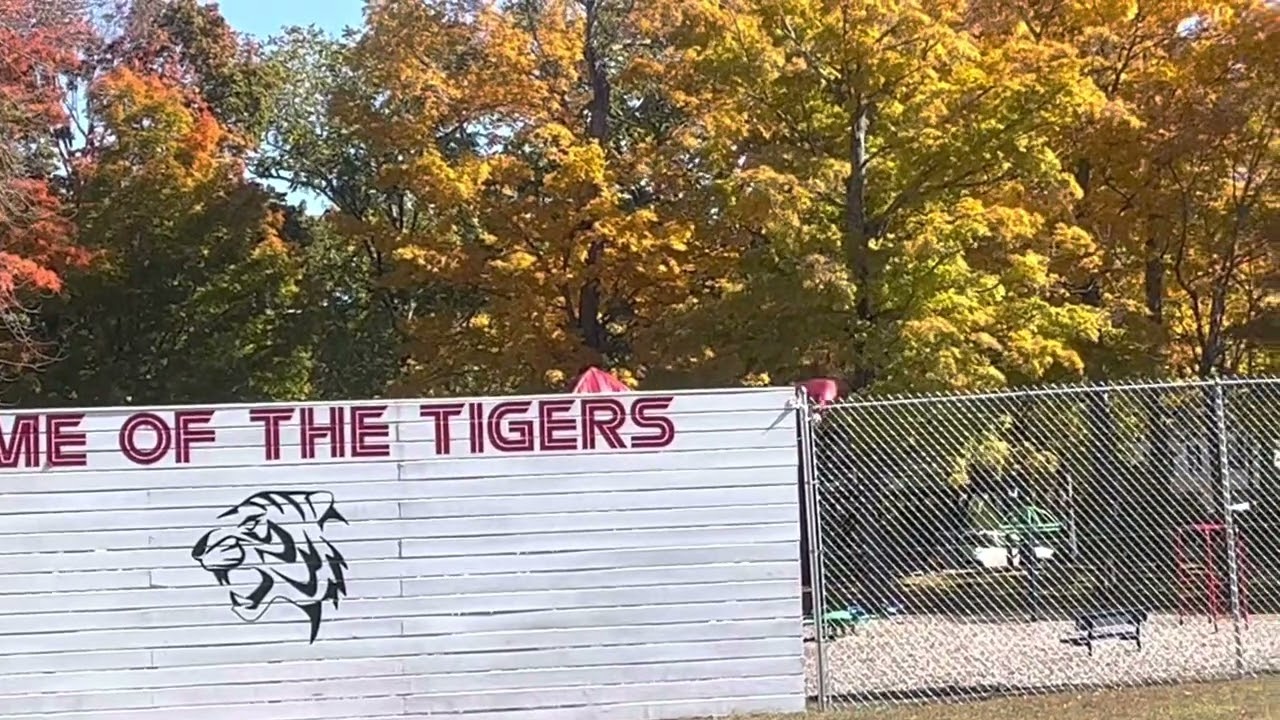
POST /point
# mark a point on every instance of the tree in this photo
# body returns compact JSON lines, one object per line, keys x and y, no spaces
{"x":351,"y":333}
{"x":311,"y":145}
{"x":1219,"y":208}
{"x":899,"y":173}
{"x":1177,"y":178}
{"x":42,"y":42}
{"x":190,"y":44}
{"x":534,"y":148}
{"x":195,"y":286}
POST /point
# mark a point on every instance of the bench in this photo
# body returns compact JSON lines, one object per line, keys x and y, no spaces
{"x":1118,"y":624}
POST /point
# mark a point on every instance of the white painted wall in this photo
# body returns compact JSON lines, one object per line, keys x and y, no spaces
{"x":601,"y":584}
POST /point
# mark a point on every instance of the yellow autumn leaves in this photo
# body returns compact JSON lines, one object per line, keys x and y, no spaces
{"x":909,"y":193}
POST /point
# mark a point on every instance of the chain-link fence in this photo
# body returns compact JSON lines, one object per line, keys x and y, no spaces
{"x":1043,"y":540}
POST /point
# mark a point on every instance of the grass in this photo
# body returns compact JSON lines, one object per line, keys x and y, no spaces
{"x":1255,"y":699}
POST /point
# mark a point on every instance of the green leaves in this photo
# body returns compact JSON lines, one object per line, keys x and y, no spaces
{"x":194,"y":286}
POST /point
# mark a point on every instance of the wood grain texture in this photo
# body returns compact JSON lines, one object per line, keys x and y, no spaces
{"x":629,"y":582}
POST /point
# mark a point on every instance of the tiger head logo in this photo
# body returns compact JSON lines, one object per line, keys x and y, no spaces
{"x":272,"y":547}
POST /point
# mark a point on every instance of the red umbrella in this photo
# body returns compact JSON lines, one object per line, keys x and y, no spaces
{"x":595,"y":380}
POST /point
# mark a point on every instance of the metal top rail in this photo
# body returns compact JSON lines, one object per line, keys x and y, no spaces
{"x":952,"y":396}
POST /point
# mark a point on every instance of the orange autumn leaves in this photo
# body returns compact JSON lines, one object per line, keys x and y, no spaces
{"x":155,"y":135}
{"x":39,"y":43}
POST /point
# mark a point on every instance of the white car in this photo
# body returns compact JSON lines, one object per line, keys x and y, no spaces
{"x":992,"y":550}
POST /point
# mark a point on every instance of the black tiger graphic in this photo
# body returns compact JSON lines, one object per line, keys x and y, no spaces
{"x":277,"y":539}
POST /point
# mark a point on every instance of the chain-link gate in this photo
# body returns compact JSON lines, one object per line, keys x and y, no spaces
{"x":1047,"y":539}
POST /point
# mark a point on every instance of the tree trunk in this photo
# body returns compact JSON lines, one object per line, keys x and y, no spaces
{"x":856,"y":244}
{"x":1215,"y":346}
{"x":1153,"y":286}
{"x":590,"y":327}
{"x":1153,"y":282}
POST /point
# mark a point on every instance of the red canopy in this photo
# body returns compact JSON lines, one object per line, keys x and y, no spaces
{"x":595,"y":380}
{"x":823,"y":390}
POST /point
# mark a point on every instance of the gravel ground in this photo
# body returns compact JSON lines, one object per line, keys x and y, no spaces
{"x":914,"y":655}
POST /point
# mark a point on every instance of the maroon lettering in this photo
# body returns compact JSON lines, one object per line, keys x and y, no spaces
{"x":271,"y":418}
{"x":645,"y":415}
{"x":142,"y":454}
{"x":602,"y":418}
{"x":366,"y":432}
{"x":510,"y":426}
{"x":551,"y":420}
{"x":64,"y":442}
{"x":517,"y":435}
{"x":475,"y":414}
{"x":22,"y":441}
{"x":189,"y":429}
{"x":313,"y":431}
{"x":441,"y":414}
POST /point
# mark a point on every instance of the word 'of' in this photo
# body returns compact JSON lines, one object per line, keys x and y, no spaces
{"x":360,"y":431}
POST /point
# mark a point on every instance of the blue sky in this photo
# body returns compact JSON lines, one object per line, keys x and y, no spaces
{"x":264,"y":18}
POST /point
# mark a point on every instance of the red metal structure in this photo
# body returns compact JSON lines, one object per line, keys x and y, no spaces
{"x":1213,"y":539}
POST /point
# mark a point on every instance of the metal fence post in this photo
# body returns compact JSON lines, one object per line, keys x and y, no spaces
{"x":813,"y":509}
{"x":1229,"y":519}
